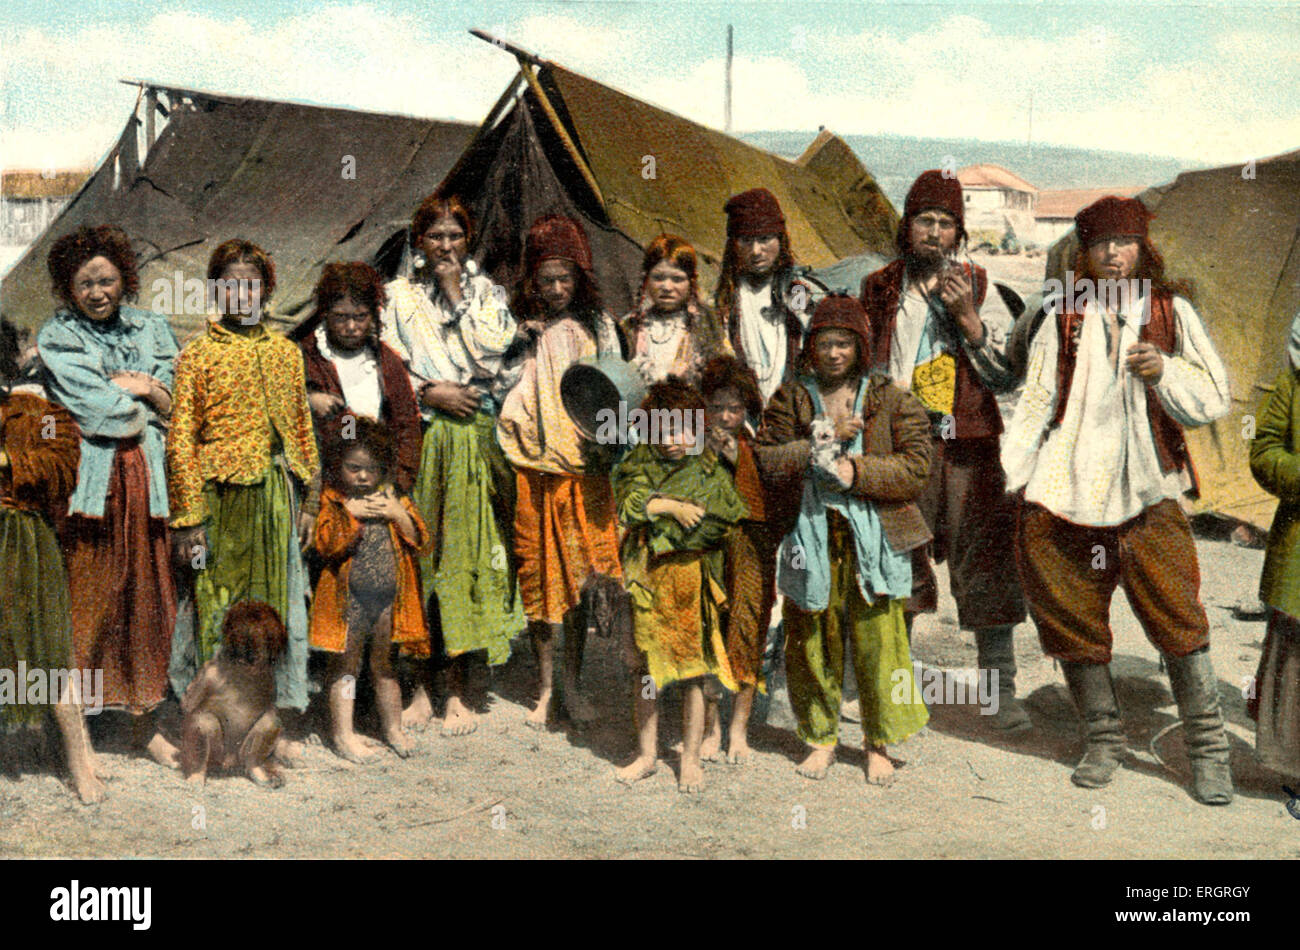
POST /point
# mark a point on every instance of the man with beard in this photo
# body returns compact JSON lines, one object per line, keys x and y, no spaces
{"x":1097,"y":444}
{"x":941,"y":335}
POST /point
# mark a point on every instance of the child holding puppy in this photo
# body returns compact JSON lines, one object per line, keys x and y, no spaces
{"x":677,"y":504}
{"x":368,"y":537}
{"x":850,"y":520}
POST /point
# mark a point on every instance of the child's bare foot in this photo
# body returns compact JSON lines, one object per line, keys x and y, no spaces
{"x":880,"y":768}
{"x":817,"y":764}
{"x":265,"y":778}
{"x":162,"y":751}
{"x":290,"y":752}
{"x":417,"y":715}
{"x":640,"y":768}
{"x":88,"y":788}
{"x":738,"y":750}
{"x":102,"y":771}
{"x":538,"y":716}
{"x":399,"y":743}
{"x":691,"y":777}
{"x":198,"y":779}
{"x":353,"y":749}
{"x":711,"y":746}
{"x":459,"y":720}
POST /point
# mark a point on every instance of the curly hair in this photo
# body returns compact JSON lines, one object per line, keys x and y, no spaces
{"x":71,"y":251}
{"x":354,"y":279}
{"x":240,"y":251}
{"x":673,"y":393}
{"x":252,"y":633}
{"x":727,"y":372}
{"x":678,"y":252}
{"x":367,"y":434}
{"x":724,"y":295}
{"x":436,"y":206}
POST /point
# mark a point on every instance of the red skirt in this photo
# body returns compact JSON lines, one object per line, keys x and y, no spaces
{"x":123,"y":597}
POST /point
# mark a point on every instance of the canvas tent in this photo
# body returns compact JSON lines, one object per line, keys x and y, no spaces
{"x":273,"y":172}
{"x":560,"y":142}
{"x":1235,"y":236}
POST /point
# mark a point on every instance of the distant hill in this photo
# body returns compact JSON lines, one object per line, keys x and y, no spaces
{"x":896,"y":160}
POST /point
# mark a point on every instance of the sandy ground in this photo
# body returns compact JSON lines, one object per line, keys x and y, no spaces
{"x":507,"y":791}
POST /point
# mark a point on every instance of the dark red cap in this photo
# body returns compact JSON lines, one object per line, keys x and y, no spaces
{"x":1111,"y":217}
{"x":556,"y":236}
{"x":754,"y":213}
{"x":840,"y":312}
{"x":934,"y":189}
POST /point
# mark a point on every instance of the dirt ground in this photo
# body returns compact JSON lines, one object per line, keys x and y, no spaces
{"x":507,"y":791}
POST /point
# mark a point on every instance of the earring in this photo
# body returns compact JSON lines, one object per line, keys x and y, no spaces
{"x":418,"y":261}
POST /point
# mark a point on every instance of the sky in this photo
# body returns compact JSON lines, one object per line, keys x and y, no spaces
{"x":1207,"y":83}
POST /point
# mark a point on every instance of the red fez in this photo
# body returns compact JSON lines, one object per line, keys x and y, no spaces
{"x":1111,"y":217}
{"x":934,"y":189}
{"x":556,"y":236}
{"x":754,"y":213}
{"x":840,"y":312}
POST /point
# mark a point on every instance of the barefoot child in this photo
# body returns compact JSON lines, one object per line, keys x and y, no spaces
{"x":850,"y":521}
{"x":677,"y":503}
{"x":369,"y":590}
{"x":732,"y":398}
{"x":565,"y":529}
{"x":40,"y":448}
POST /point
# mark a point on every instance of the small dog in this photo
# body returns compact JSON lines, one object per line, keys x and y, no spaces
{"x":826,"y":449}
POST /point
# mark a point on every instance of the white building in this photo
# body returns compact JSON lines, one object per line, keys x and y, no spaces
{"x":995,"y":200}
{"x":1055,"y":211}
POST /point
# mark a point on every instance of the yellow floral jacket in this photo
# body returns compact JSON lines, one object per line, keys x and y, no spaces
{"x":234,"y":393}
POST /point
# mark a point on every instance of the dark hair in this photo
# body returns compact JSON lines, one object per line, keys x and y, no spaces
{"x":367,"y":434}
{"x":528,"y":303}
{"x":724,"y":296}
{"x":673,"y":393}
{"x":71,"y":251}
{"x":436,"y":206}
{"x":354,"y":279}
{"x":1150,"y":266}
{"x":252,"y":633}
{"x":239,"y":251}
{"x":727,"y":372}
{"x":10,"y":352}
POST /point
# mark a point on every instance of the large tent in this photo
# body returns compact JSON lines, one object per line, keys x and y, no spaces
{"x":310,"y":184}
{"x":560,"y":142}
{"x":1234,"y":232}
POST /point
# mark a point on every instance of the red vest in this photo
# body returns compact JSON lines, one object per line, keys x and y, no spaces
{"x":975,"y":409}
{"x":1162,"y":332}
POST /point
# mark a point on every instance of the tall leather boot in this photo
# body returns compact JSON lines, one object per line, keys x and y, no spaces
{"x":1094,"y":696}
{"x":1197,"y":691}
{"x":995,"y":650}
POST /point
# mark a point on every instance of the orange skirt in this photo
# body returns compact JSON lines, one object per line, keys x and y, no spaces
{"x":565,"y":530}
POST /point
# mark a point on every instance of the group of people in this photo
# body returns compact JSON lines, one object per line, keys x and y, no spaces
{"x":405,"y":483}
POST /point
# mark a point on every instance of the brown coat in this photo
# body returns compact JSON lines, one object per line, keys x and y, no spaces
{"x":892,"y":470}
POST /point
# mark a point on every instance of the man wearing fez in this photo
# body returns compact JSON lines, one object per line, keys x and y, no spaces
{"x":1097,"y":445}
{"x":763,"y":298}
{"x":942,"y":335}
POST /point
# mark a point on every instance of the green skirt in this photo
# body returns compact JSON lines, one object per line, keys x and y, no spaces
{"x":35,"y":611}
{"x":465,"y":491}
{"x":253,"y":555}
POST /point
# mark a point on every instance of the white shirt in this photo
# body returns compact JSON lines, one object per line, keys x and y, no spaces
{"x":989,"y":358}
{"x":762,"y":336}
{"x":1099,"y":467}
{"x":664,"y":336}
{"x":358,"y":374}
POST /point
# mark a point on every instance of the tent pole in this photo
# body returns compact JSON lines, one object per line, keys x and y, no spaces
{"x":569,"y":144}
{"x":150,"y":107}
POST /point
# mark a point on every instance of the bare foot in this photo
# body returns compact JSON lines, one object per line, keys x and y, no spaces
{"x":290,"y":752}
{"x":417,"y":715}
{"x":538,"y":716}
{"x":400,"y":744}
{"x":691,"y":778}
{"x":817,"y":764}
{"x":88,"y":788}
{"x":198,"y":779}
{"x":579,"y":709}
{"x":738,"y":750}
{"x":163,"y":752}
{"x":351,"y":748}
{"x":102,"y":771}
{"x":880,"y":768}
{"x":459,"y":719}
{"x":711,"y":747}
{"x":266,"y":778}
{"x":640,"y":768}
